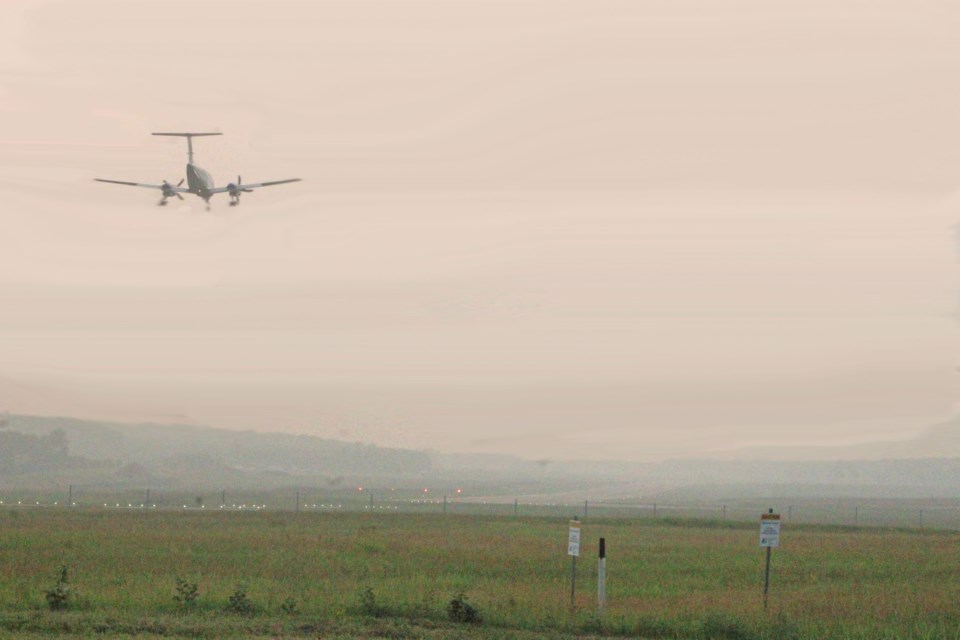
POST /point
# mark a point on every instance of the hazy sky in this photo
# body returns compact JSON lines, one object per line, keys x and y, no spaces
{"x":633,"y":229}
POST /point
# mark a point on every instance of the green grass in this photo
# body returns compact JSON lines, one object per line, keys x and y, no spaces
{"x":666,"y":579}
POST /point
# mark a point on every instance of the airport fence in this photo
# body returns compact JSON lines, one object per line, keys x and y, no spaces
{"x":850,"y":512}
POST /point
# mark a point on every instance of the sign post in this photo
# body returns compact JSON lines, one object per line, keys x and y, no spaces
{"x":769,"y":538}
{"x":573,"y":550}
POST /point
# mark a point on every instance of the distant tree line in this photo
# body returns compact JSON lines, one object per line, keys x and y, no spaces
{"x":26,"y":453}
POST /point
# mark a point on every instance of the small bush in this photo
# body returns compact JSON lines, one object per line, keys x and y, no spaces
{"x":59,"y":596}
{"x":187,"y":592}
{"x":459,"y":610}
{"x":239,"y":602}
{"x":717,"y":627}
{"x":368,"y":603}
{"x":651,"y":627}
{"x":783,"y":629}
{"x":289,"y":606}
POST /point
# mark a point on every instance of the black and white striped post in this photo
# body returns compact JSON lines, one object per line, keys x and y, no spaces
{"x":602,"y":576}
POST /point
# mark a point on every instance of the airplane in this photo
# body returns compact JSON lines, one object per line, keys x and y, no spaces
{"x":199,"y":181}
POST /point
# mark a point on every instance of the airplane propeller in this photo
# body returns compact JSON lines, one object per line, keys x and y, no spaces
{"x":167,"y":189}
{"x":235,"y":190}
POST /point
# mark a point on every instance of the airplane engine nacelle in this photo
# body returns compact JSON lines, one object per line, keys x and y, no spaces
{"x":168,"y":191}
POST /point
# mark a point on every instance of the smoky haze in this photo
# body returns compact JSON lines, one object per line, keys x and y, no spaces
{"x":45,"y":460}
{"x":554,"y":230}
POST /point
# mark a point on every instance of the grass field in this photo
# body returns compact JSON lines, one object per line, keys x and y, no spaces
{"x":356,"y":575}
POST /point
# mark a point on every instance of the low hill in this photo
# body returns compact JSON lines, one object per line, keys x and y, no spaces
{"x":154,"y":444}
{"x":200,"y":456}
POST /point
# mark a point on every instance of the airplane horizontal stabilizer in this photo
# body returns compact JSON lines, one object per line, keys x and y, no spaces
{"x":187,"y":135}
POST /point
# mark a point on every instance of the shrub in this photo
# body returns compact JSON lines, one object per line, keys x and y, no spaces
{"x":187,"y":592}
{"x":289,"y":606}
{"x":459,"y":610}
{"x":651,"y":627}
{"x":368,"y":603}
{"x":239,"y":602}
{"x":783,"y":629}
{"x":716,"y":627}
{"x":59,"y":596}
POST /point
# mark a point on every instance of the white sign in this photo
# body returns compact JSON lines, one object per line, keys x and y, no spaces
{"x":573,"y":540}
{"x":770,"y":530}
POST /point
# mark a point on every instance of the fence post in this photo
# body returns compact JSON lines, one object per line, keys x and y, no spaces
{"x":602,"y":577}
{"x":516,"y":506}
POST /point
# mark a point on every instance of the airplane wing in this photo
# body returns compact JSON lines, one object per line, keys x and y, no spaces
{"x":248,"y":187}
{"x":169,"y":187}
